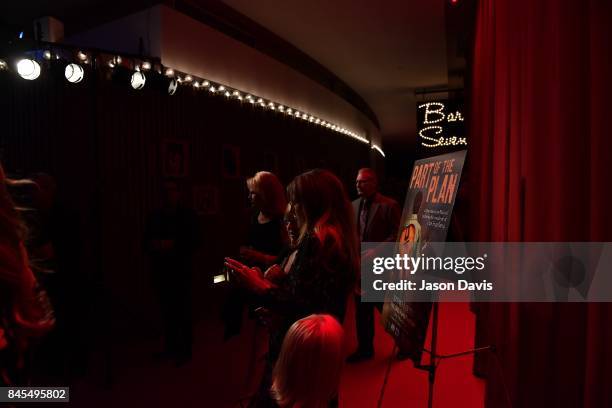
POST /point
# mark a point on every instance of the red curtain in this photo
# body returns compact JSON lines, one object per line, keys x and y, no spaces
{"x":541,"y":165}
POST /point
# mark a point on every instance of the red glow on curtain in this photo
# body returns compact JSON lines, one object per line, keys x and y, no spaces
{"x":540,"y":163}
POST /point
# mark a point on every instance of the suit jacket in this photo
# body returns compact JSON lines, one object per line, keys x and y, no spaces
{"x":383,"y":219}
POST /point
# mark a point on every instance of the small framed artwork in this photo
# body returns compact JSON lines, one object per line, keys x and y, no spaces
{"x":175,"y":158}
{"x":205,"y":199}
{"x":230,"y":161}
{"x":270,"y":162}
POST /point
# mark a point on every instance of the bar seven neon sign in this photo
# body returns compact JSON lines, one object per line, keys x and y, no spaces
{"x":436,"y":121}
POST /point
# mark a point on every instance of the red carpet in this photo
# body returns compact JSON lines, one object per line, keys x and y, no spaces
{"x":219,"y":376}
{"x":455,"y":385}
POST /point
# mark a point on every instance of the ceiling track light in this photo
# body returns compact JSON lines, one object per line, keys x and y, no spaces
{"x":165,"y":78}
{"x":74,"y":73}
{"x":28,"y":69}
{"x":138,"y":80}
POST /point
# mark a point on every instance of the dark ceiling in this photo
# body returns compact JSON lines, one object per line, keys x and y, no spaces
{"x":382,"y":50}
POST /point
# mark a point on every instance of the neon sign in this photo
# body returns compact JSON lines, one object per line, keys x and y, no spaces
{"x":441,"y":124}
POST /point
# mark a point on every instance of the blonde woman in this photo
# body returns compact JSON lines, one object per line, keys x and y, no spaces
{"x":266,"y":239}
{"x":307,"y":373}
{"x":325,"y":265}
{"x":266,"y":236}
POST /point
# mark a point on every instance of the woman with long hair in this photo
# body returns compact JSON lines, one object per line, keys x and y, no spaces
{"x":312,"y":349}
{"x":23,"y":312}
{"x":326,"y":258}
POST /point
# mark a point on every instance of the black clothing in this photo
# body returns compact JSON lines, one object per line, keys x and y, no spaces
{"x":378,"y":220}
{"x":266,"y":238}
{"x":172,"y":274}
{"x":364,"y":319}
{"x":319,"y":281}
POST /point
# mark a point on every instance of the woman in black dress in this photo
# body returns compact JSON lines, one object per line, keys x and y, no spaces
{"x":266,"y":238}
{"x":326,"y":258}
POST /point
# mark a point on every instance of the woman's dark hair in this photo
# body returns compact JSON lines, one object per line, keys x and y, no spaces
{"x":322,"y":201}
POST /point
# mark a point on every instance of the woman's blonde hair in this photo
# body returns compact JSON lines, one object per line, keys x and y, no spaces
{"x":272,"y":193}
{"x":307,"y":372}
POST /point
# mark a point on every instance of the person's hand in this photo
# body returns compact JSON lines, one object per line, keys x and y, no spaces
{"x":250,"y":278}
{"x":274,"y":273}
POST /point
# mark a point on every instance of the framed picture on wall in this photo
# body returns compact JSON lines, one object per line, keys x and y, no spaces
{"x":175,"y":158}
{"x":230,"y":161}
{"x":270,"y":162}
{"x":205,"y":199}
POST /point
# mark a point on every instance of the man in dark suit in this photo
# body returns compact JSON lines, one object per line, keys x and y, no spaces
{"x":378,"y":219}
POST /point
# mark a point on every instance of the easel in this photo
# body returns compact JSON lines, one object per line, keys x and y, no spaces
{"x":434,"y":359}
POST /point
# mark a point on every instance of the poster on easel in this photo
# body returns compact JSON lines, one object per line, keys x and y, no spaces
{"x":425,"y":219}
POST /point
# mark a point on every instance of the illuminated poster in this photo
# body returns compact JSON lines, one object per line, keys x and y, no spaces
{"x":440,"y":127}
{"x":426,"y":217}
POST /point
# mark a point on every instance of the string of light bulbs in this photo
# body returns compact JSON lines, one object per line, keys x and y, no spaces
{"x":141,"y":71}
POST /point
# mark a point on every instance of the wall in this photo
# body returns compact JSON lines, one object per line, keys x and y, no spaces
{"x":187,"y":45}
{"x":102,"y":142}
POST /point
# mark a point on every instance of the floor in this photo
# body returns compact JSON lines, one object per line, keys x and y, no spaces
{"x":220,"y":374}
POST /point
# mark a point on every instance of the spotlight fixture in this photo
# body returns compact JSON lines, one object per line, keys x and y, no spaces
{"x":74,"y":73}
{"x":163,"y":83}
{"x":3,"y":65}
{"x":138,"y":80}
{"x":82,"y":56}
{"x":169,"y":72}
{"x":146,"y":65}
{"x":28,"y":69}
{"x":172,"y":86}
{"x":47,"y":54}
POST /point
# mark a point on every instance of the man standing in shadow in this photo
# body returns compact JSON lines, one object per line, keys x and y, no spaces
{"x":378,"y":219}
{"x":172,"y":235}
